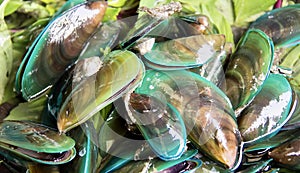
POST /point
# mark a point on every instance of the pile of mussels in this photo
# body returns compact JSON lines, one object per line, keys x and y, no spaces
{"x":158,"y":92}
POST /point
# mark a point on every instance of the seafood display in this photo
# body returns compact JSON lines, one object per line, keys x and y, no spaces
{"x":162,"y":91}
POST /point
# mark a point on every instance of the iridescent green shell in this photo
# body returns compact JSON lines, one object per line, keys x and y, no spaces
{"x":106,"y":37}
{"x":161,"y":125}
{"x":206,"y":111}
{"x":35,"y":142}
{"x":268,"y":111}
{"x":120,"y":144}
{"x":280,"y":138}
{"x":143,"y":26}
{"x":57,"y":47}
{"x":156,"y":27}
{"x":248,"y":67}
{"x":92,"y":85}
{"x":294,"y":121}
{"x":281,"y":24}
{"x":157,"y":165}
{"x":186,"y":52}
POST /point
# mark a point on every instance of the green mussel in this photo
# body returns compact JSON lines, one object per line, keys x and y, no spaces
{"x":206,"y":111}
{"x":92,"y":85}
{"x":269,"y":110}
{"x":36,"y":143}
{"x":57,"y":47}
{"x":186,"y":52}
{"x":161,"y":125}
{"x":182,"y":164}
{"x":281,"y":24}
{"x":248,"y":67}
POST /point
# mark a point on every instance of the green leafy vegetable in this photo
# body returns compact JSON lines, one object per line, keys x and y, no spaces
{"x":28,"y":110}
{"x":247,"y":11}
{"x":21,"y":22}
{"x":292,"y":60}
{"x":218,"y":19}
{"x":6,"y":59}
{"x":12,"y":6}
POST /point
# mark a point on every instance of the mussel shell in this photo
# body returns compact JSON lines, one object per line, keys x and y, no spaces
{"x":215,"y":132}
{"x":156,"y":27}
{"x":173,"y":27}
{"x":161,"y":125}
{"x":248,"y":67}
{"x":178,"y":87}
{"x":257,"y":167}
{"x":280,"y":138}
{"x":268,"y":112}
{"x":35,"y":142}
{"x":157,"y":165}
{"x":88,"y":157}
{"x":214,"y":69}
{"x":200,"y":22}
{"x":34,"y":137}
{"x":206,"y":111}
{"x":57,"y":47}
{"x":144,"y":24}
{"x":281,"y":24}
{"x":119,"y":145}
{"x":186,"y":52}
{"x":294,"y":121}
{"x":91,"y":88}
{"x":287,"y":154}
{"x":187,"y":166}
{"x":107,"y":36}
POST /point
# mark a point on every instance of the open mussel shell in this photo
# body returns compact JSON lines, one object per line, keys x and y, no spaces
{"x":161,"y":125}
{"x":92,"y":86}
{"x":248,"y":67}
{"x":268,"y":112}
{"x":35,"y":142}
{"x":206,"y":111}
{"x":287,"y":154}
{"x":281,"y":24}
{"x":186,"y":52}
{"x":57,"y":47}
